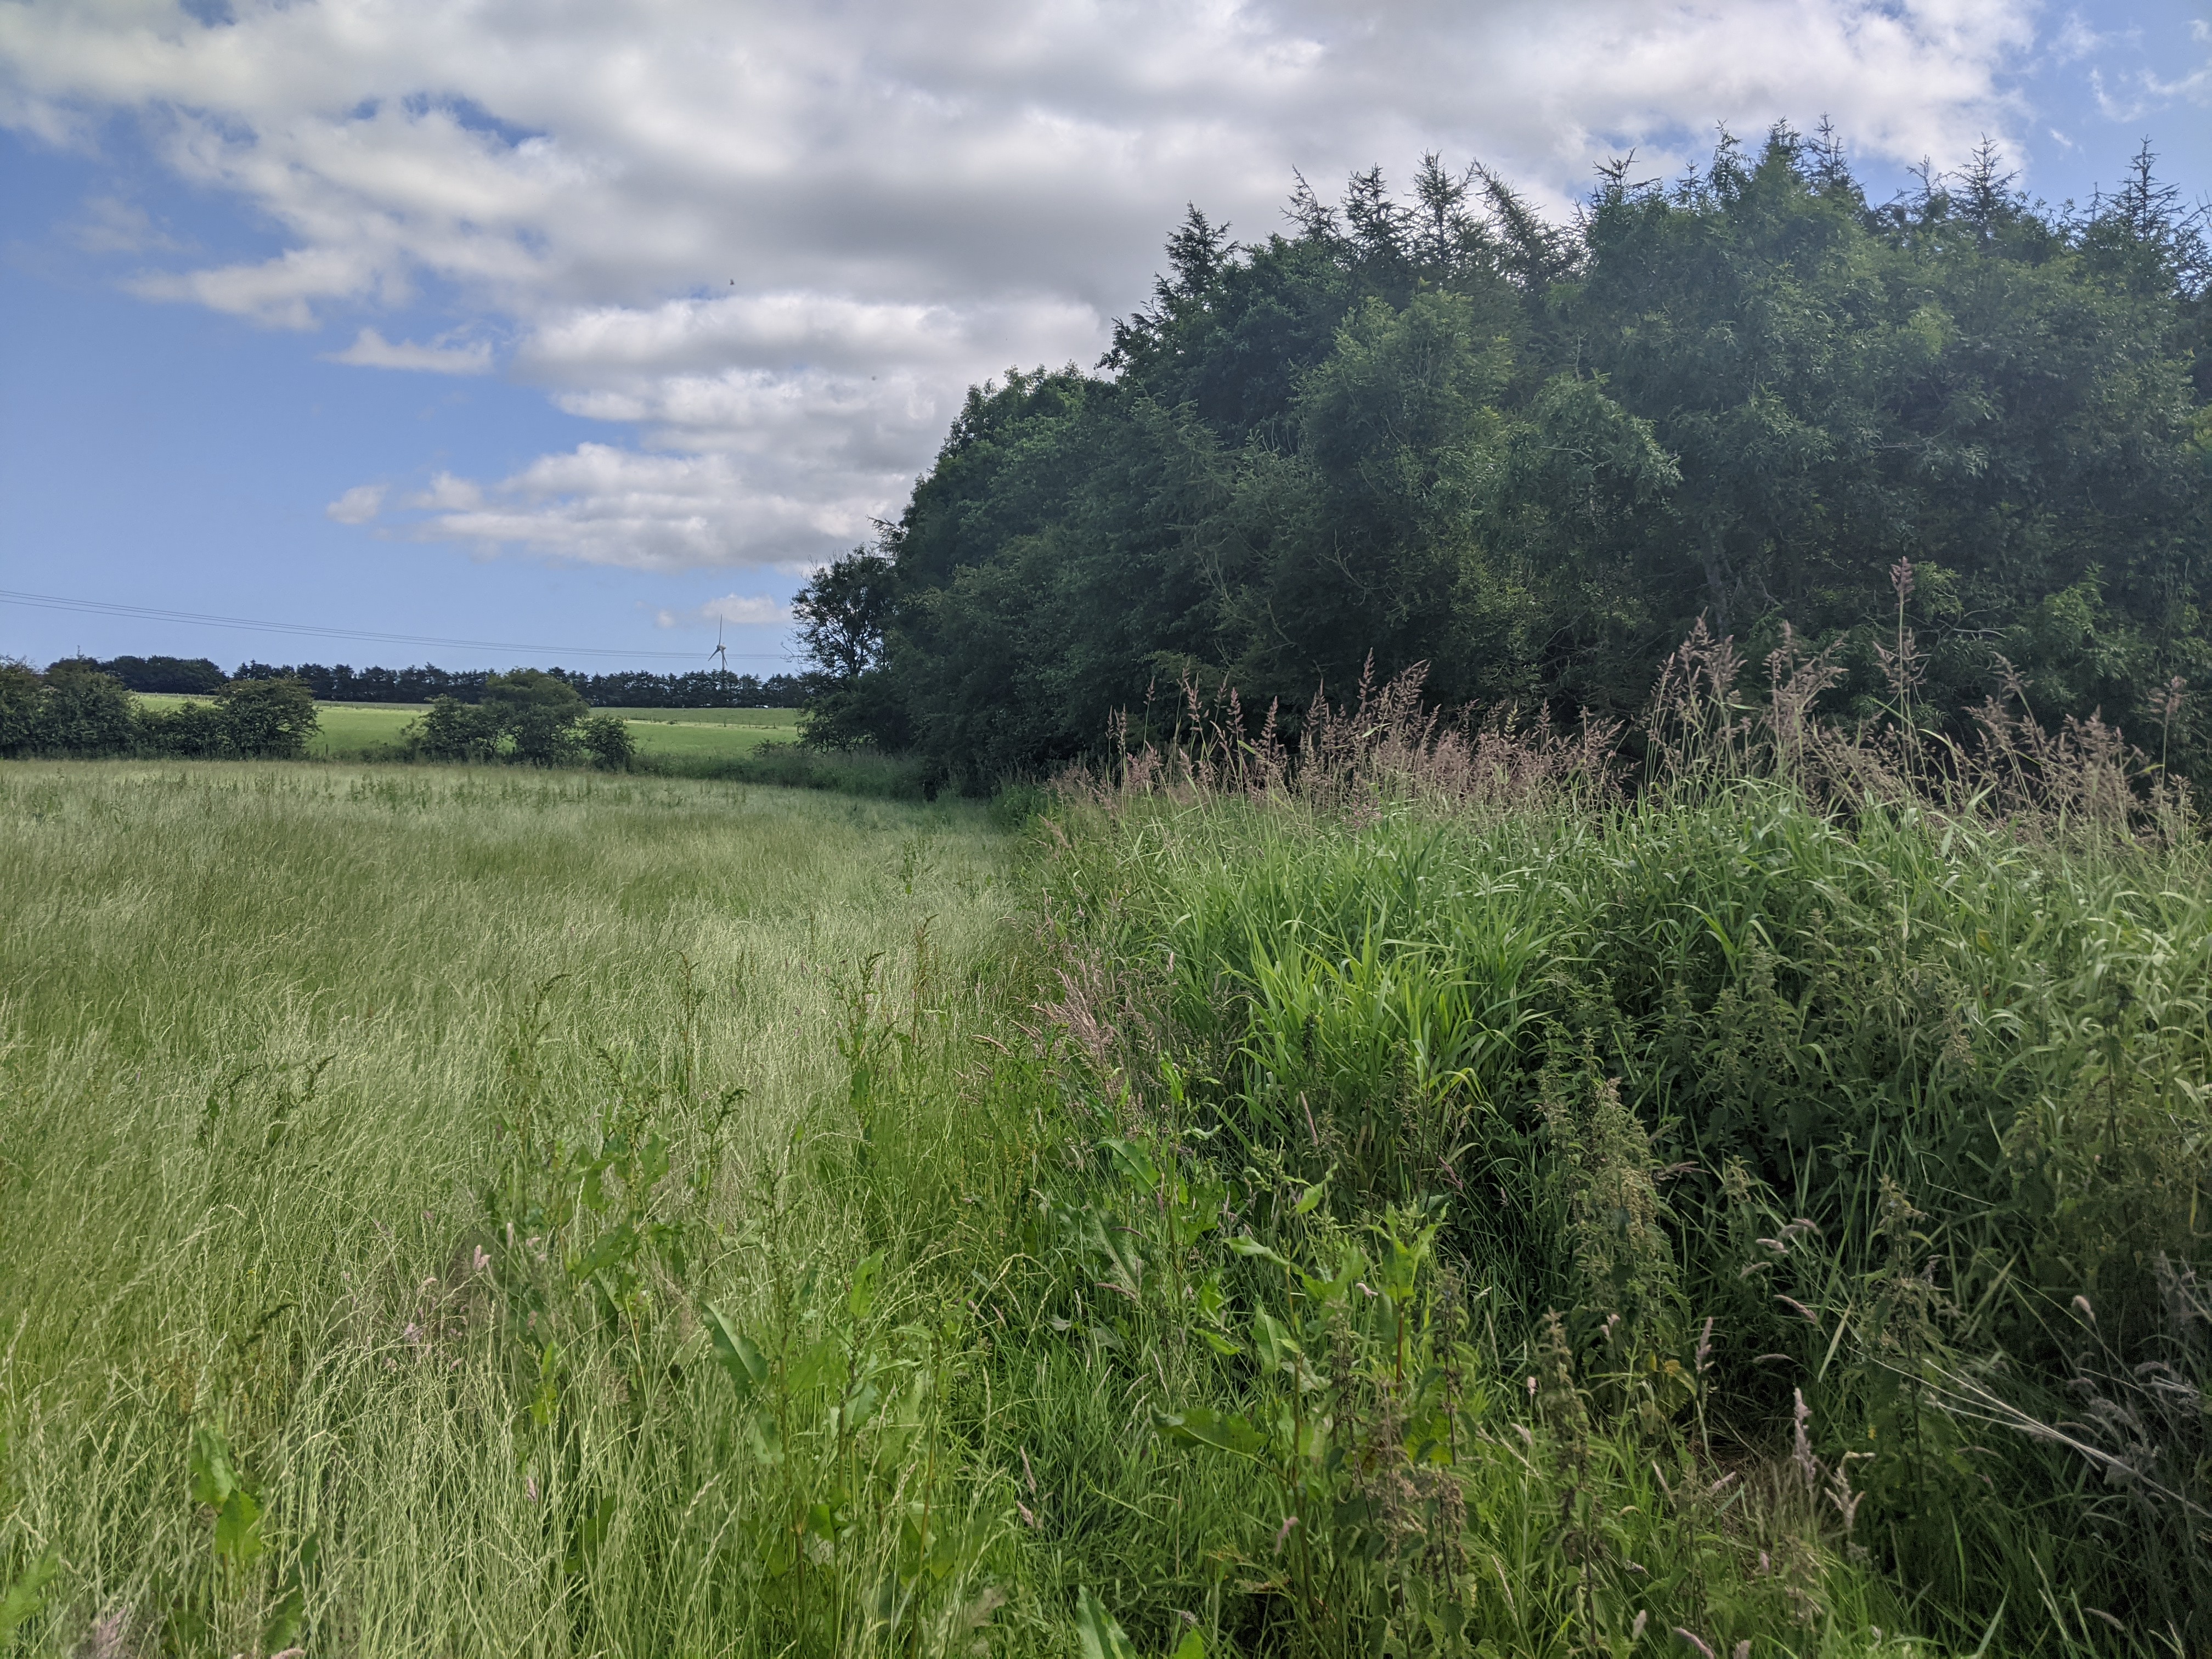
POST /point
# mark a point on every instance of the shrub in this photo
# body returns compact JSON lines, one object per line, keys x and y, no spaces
{"x":536,"y":714}
{"x":190,"y":731}
{"x":20,"y":690}
{"x":268,"y":720}
{"x":82,"y":712}
{"x":606,"y":739}
{"x":450,"y":729}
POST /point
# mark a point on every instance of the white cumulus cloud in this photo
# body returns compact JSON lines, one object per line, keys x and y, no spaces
{"x":599,"y":504}
{"x":773,"y":244}
{"x":740,"y":609}
{"x":370,"y":350}
{"x":358,"y":505}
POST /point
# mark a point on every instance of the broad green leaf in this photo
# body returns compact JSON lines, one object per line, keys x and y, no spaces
{"x":1101,"y":1637}
{"x":1193,"y":1646}
{"x":862,"y":1301}
{"x":768,"y":1439}
{"x":1245,"y":1245}
{"x":25,"y":1597}
{"x":861,"y":1406}
{"x":238,"y":1529}
{"x":1134,"y":1161}
{"x":609,"y":1247}
{"x":823,"y":1357}
{"x":1224,"y":1430}
{"x":746,"y":1364}
{"x":1274,"y":1342}
{"x":214,"y":1476}
{"x":282,"y":1628}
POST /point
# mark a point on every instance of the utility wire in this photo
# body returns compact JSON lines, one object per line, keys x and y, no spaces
{"x":148,"y":613}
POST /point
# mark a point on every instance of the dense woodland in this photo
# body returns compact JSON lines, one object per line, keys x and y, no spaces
{"x":1439,"y":428}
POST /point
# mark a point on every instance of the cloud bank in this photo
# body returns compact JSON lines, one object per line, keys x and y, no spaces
{"x":738,"y":610}
{"x":771,"y":246}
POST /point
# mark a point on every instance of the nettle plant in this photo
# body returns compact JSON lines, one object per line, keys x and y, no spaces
{"x":1363,"y":1393}
{"x":862,"y":1524}
{"x":1338,"y":1366}
{"x":254,"y":1579}
{"x":1408,"y":1483}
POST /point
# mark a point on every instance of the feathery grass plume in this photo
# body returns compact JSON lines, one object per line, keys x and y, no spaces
{"x":1388,"y":748}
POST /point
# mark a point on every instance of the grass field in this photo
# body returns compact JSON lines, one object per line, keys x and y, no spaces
{"x":353,"y":730}
{"x":259,"y":1027}
{"x":459,"y":1211}
{"x":765,"y":719}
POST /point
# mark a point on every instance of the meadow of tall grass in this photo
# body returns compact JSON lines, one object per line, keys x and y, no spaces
{"x":372,"y":1141}
{"x":1397,"y":1193}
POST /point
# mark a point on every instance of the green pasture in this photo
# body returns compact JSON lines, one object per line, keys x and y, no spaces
{"x":767,"y":719}
{"x":353,"y":730}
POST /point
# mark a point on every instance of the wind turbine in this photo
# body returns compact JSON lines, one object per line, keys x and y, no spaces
{"x":721,"y":674}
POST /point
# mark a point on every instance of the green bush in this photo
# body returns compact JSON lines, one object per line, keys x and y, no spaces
{"x":20,"y":690}
{"x":268,"y":720}
{"x":190,"y":731}
{"x":82,"y":712}
{"x":528,"y":717}
{"x":451,"y":730}
{"x":536,"y":716}
{"x":606,"y":739}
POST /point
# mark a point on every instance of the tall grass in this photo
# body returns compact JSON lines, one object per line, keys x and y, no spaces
{"x":1419,"y":1201}
{"x":1822,"y":1083}
{"x":284,"y":1049}
{"x":788,"y":766}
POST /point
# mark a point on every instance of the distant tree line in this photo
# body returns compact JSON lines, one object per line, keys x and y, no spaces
{"x":75,"y":710}
{"x":628,"y":689}
{"x":192,"y":676}
{"x":1437,"y":427}
{"x":631,"y":689}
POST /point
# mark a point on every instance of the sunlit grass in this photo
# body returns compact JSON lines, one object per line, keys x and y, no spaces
{"x":483,"y":1210}
{"x":256,"y":1024}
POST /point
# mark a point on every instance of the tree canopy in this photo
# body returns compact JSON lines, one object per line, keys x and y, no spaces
{"x":1437,"y":429}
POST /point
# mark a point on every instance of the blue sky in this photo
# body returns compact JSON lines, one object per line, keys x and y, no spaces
{"x":586,"y":325}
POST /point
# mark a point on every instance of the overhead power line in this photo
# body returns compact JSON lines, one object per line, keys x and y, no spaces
{"x":148,"y":613}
